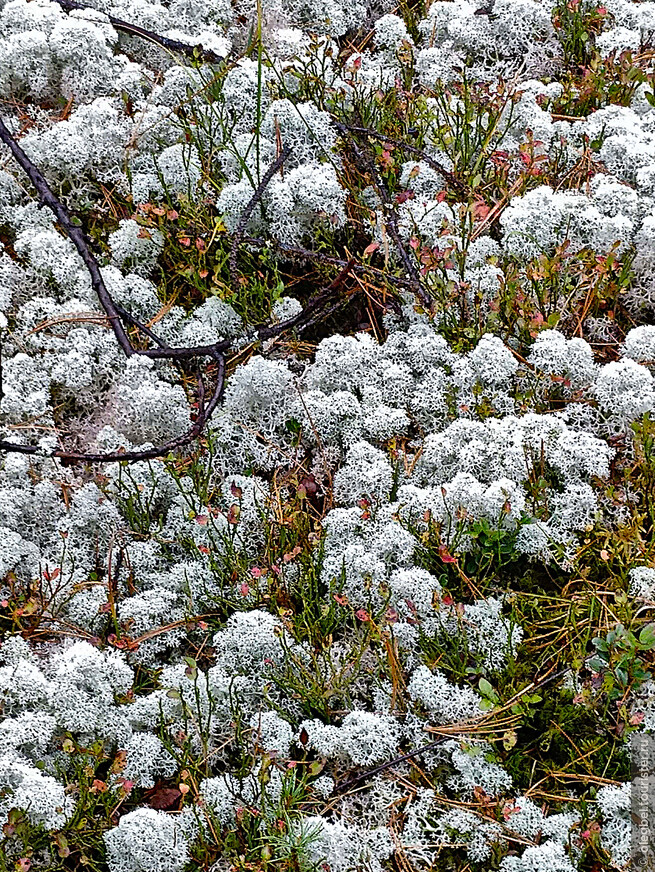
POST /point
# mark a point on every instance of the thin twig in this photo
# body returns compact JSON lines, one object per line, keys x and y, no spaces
{"x":73,"y":318}
{"x":366,"y":163}
{"x":247,"y":212}
{"x":365,"y":776}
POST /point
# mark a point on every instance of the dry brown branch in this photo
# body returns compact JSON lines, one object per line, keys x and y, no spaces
{"x":193,"y":51}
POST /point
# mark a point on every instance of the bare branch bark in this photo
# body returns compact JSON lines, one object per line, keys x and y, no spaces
{"x":127,"y":316}
{"x":141,"y":454}
{"x":74,"y":233}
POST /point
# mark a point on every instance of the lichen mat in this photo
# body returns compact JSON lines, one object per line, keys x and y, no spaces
{"x":327,"y":474}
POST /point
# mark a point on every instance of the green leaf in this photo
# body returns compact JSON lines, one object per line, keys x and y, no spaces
{"x":647,"y":636}
{"x":622,"y":675}
{"x":293,"y":426}
{"x":487,"y":690}
{"x":62,"y":845}
{"x":316,"y":767}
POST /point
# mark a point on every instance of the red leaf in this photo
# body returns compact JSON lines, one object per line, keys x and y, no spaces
{"x":308,"y":484}
{"x":481,"y":210}
{"x":403,"y":196}
{"x":164,"y":798}
{"x":509,"y":809}
{"x":289,"y":556}
{"x":445,"y":555}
